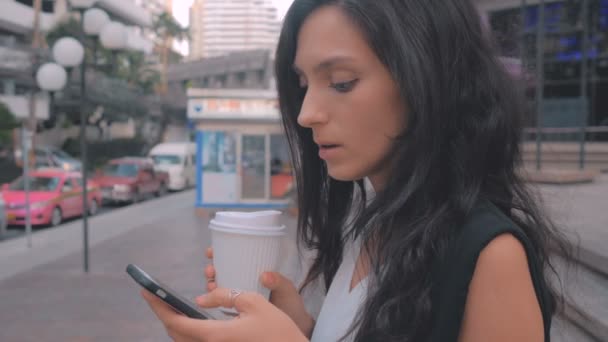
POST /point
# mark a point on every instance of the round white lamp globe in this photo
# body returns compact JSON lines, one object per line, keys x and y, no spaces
{"x":51,"y":77}
{"x":68,"y":52}
{"x":94,"y":20}
{"x":113,"y":36}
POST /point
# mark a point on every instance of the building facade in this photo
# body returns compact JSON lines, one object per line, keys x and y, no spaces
{"x":16,"y":53}
{"x":218,"y":27}
{"x":571,"y":44}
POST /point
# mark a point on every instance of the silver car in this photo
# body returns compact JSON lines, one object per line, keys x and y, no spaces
{"x":52,"y":157}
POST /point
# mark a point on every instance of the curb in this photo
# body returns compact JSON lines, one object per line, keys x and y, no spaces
{"x":560,"y":177}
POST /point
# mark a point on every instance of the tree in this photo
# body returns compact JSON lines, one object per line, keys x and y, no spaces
{"x":133,"y":68}
{"x":121,"y":78}
{"x":166,"y":29}
{"x":8,"y":122}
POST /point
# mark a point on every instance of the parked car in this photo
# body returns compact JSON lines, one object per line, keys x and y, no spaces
{"x":52,"y":157}
{"x":177,"y":159}
{"x":54,"y":196}
{"x":131,"y":179}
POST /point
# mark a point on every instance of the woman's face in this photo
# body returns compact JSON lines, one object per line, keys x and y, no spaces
{"x":352,"y":104}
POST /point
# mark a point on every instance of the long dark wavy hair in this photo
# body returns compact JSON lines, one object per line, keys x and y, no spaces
{"x":461,"y":146}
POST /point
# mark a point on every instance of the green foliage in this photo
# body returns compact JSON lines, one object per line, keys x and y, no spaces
{"x":134,"y":68}
{"x":7,"y":124}
{"x":100,"y":152}
{"x":127,"y":73}
{"x":165,"y":26}
{"x":69,"y":28}
{"x":127,"y":65}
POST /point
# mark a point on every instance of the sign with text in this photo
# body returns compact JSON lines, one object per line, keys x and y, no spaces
{"x":218,"y":108}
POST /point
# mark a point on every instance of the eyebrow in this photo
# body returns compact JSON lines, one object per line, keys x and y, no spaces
{"x":326,"y":64}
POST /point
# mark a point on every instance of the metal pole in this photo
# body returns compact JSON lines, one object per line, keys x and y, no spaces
{"x":83,"y":158}
{"x":522,"y":58}
{"x":26,"y":137}
{"x":584,"y":104}
{"x":540,"y":41}
{"x":524,"y":5}
{"x":25,"y":148}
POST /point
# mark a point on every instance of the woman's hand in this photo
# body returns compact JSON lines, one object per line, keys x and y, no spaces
{"x":258,"y":320}
{"x":283,"y":294}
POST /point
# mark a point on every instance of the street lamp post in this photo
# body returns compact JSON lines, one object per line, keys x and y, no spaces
{"x":70,"y":53}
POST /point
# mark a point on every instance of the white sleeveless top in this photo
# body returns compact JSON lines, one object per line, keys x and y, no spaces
{"x":341,"y":306}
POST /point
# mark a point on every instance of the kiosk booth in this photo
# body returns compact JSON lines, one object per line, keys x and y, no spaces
{"x":242,"y":157}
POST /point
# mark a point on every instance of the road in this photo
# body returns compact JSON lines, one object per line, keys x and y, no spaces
{"x":18,"y":231}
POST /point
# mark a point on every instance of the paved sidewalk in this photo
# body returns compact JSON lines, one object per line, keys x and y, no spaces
{"x":45,"y":296}
{"x":581,"y":210}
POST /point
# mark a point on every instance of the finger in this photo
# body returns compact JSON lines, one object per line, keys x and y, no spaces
{"x":245,"y":302}
{"x":277,"y":283}
{"x":211,"y":286}
{"x":163,"y":311}
{"x":209,"y":253}
{"x":210,"y":271}
{"x":180,"y":327}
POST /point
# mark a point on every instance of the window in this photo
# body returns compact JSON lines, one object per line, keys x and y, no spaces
{"x":77,"y":182}
{"x":43,"y":184}
{"x":281,"y":178}
{"x":67,"y":186}
{"x":166,"y":159}
{"x":121,"y":170}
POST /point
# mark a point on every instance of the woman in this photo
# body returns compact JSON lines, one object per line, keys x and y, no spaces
{"x":409,"y":95}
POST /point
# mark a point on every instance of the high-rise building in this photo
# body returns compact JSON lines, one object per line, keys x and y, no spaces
{"x":219,"y":27}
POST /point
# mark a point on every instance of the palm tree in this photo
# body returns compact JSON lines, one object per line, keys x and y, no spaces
{"x":138,"y":72}
{"x":167,"y":29}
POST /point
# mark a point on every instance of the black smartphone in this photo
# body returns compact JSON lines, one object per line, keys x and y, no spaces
{"x":165,"y":293}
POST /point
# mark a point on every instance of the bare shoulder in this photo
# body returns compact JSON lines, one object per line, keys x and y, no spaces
{"x":501,"y":303}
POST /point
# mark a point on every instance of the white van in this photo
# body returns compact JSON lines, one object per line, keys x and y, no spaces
{"x":177,"y":159}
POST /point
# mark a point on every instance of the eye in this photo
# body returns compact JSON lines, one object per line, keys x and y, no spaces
{"x":344,"y":87}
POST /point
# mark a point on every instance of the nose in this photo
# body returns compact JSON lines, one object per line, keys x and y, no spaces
{"x":312,"y":113}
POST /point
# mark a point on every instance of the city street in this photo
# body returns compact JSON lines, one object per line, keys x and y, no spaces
{"x":151,"y":96}
{"x":46,"y":296}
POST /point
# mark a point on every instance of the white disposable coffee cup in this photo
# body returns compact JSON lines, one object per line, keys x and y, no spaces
{"x":246,"y":244}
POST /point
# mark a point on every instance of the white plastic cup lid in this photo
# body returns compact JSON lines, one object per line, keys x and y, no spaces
{"x":255,"y":219}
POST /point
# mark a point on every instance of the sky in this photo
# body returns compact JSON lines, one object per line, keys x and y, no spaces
{"x":181,"y":13}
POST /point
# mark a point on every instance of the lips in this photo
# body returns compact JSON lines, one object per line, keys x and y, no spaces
{"x":328,"y":151}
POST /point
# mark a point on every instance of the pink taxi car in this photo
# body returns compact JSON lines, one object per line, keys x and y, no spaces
{"x":54,"y":196}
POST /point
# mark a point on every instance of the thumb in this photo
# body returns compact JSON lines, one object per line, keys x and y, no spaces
{"x":277,"y":283}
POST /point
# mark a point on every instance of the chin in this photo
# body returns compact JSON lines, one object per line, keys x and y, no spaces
{"x":344,"y":174}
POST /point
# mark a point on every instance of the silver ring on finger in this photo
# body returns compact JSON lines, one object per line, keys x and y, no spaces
{"x":232,"y":295}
